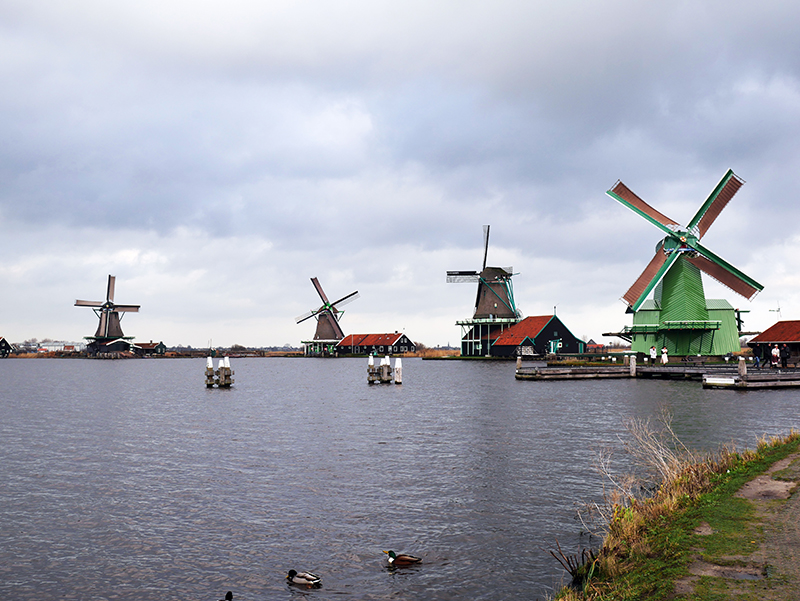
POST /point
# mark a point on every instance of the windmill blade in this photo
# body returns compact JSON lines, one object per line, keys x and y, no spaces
{"x":336,"y":326}
{"x":726,"y":189}
{"x":651,"y":275}
{"x":622,"y":194}
{"x":112,"y":282}
{"x":725,"y":277}
{"x":126,"y":308}
{"x":320,"y":291}
{"x":345,"y":300}
{"x":725,"y":273}
{"x":85,"y":303}
{"x":458,"y":277}
{"x":485,"y":245}
{"x":305,"y":316}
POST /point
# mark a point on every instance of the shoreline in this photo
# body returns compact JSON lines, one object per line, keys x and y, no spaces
{"x":734,"y":539}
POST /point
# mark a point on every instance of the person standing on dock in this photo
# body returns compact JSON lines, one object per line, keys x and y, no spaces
{"x":775,"y":356}
{"x":756,"y":358}
{"x":653,"y":354}
{"x":664,"y":355}
{"x":784,"y":356}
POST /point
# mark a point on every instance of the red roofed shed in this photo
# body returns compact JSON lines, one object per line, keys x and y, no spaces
{"x":382,"y":344}
{"x":783,"y":332}
{"x":537,"y":335}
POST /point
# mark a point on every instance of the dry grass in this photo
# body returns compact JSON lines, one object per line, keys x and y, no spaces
{"x":432,"y":352}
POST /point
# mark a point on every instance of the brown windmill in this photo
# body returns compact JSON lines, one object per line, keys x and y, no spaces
{"x":108,"y":312}
{"x":328,"y":315}
{"x":495,"y":309}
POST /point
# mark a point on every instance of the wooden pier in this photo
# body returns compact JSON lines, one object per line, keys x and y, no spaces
{"x":571,"y":373}
{"x":750,"y":381}
{"x":713,"y":376}
{"x":675,"y":372}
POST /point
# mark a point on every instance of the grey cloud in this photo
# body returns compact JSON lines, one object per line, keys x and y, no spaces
{"x":351,"y":129}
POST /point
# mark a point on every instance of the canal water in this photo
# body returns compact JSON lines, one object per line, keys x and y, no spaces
{"x":131,"y":480}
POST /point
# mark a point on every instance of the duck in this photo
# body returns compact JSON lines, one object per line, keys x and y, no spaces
{"x":228,"y":596}
{"x":402,"y":559}
{"x":308,"y":579}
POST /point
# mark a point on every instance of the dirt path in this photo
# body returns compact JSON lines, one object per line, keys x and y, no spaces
{"x":771,"y":571}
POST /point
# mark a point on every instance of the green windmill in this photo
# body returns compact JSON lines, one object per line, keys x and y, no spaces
{"x":679,"y":316}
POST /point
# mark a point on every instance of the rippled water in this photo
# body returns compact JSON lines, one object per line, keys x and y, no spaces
{"x":131,"y":480}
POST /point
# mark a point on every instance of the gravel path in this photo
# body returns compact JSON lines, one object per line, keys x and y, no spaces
{"x":771,"y":572}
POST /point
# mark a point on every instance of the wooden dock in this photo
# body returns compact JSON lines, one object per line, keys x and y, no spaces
{"x":571,"y":373}
{"x":750,"y":381}
{"x":674,"y":372}
{"x":712,"y":376}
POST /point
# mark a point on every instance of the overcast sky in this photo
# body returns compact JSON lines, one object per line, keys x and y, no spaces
{"x":215,"y":156}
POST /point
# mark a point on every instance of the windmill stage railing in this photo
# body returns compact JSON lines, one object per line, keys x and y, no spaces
{"x":690,"y":324}
{"x":696,"y":324}
{"x":487,"y":320}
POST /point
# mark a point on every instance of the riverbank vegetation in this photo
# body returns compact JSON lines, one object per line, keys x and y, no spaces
{"x":649,"y":521}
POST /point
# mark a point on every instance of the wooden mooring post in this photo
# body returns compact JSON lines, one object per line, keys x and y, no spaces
{"x":210,"y":380}
{"x":222,"y":376}
{"x":398,"y":371}
{"x":383,"y":373}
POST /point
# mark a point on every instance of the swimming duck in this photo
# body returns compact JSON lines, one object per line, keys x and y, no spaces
{"x":228,"y":596}
{"x":306,"y":578}
{"x":402,"y":559}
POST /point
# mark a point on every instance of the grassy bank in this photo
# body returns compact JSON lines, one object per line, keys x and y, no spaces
{"x":650,"y":541}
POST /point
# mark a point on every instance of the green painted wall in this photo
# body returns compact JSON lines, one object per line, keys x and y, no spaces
{"x":680,"y":293}
{"x":688,"y":342}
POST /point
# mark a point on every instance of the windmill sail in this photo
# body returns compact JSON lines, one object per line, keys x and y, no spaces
{"x":717,"y":200}
{"x":462,"y":277}
{"x":624,"y":195}
{"x":647,"y":280}
{"x":485,"y":245}
{"x":733,"y":281}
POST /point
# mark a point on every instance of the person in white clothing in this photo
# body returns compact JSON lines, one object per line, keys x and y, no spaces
{"x":664,"y":356}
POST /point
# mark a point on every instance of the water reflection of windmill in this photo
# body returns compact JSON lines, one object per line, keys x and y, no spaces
{"x":495,"y":309}
{"x":679,"y":316}
{"x":328,"y":332}
{"x":108,"y":312}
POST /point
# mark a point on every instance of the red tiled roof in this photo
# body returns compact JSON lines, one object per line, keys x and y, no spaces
{"x":783,"y":331}
{"x":369,"y":339}
{"x":527,"y":328}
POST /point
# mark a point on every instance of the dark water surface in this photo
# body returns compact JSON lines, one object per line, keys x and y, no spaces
{"x":131,"y":480}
